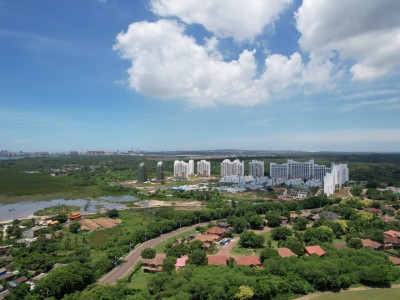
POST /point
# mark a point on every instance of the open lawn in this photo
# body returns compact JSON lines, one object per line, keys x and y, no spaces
{"x":370,"y":294}
{"x":139,"y":280}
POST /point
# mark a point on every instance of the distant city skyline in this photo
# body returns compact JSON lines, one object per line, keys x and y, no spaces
{"x":104,"y":75}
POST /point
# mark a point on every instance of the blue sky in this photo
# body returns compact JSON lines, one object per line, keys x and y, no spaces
{"x":187,"y":75}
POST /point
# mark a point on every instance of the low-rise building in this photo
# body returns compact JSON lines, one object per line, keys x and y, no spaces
{"x":317,"y":250}
{"x":153,"y":265}
{"x":369,"y":244}
{"x":286,"y":252}
{"x":217,"y":260}
{"x":181,"y":262}
{"x":249,"y":260}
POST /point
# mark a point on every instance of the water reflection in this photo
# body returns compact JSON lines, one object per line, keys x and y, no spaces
{"x":26,"y":209}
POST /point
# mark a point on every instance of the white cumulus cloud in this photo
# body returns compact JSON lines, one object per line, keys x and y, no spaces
{"x":240,"y":19}
{"x":168,"y":64}
{"x":365,"y":32}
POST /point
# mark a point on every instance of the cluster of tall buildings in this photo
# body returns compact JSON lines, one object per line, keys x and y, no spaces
{"x":291,"y":173}
{"x":142,"y":172}
{"x":229,"y":168}
{"x":183,"y":170}
{"x":332,"y":177}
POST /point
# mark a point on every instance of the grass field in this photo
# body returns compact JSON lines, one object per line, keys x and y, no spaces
{"x":131,"y":219}
{"x":371,"y":294}
{"x":139,"y":280}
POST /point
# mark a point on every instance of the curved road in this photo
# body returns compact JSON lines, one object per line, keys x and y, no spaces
{"x":133,"y":257}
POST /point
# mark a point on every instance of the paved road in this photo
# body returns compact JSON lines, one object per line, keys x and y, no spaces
{"x":133,"y":257}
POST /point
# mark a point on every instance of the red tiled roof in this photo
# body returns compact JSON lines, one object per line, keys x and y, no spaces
{"x":217,"y":260}
{"x":370,"y":244}
{"x":294,"y":215}
{"x":285,"y":252}
{"x":207,"y":238}
{"x":215,"y":231}
{"x":249,"y":260}
{"x":391,"y":240}
{"x":315,"y":250}
{"x":392,"y":233}
{"x":181,"y":261}
{"x":156,"y":261}
{"x":388,"y":219}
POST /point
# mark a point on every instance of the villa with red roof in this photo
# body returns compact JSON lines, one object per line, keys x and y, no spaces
{"x":392,"y":233}
{"x":286,"y":252}
{"x":153,"y":265}
{"x":216,"y":231}
{"x":377,"y":212}
{"x":249,"y":260}
{"x":181,"y":262}
{"x":369,"y":244}
{"x":314,"y":250}
{"x":217,"y":260}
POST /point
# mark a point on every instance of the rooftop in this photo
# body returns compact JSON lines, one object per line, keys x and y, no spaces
{"x":181,"y":261}
{"x":215,"y":231}
{"x":315,"y":250}
{"x":249,"y":260}
{"x":285,"y":252}
{"x":217,"y":260}
{"x":371,"y":244}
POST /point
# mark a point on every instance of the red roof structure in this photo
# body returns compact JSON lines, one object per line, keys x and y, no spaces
{"x":388,"y":219}
{"x":217,"y":260}
{"x":249,"y":260}
{"x":207,"y":238}
{"x":215,"y":231}
{"x":285,"y":252}
{"x":392,"y":233}
{"x":391,"y":240}
{"x":315,"y":250}
{"x":181,"y":261}
{"x":367,"y":243}
{"x":152,"y":265}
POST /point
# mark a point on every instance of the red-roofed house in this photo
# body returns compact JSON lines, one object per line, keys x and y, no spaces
{"x":392,"y":233}
{"x":216,"y":231}
{"x":217,"y":260}
{"x":249,"y":260}
{"x":388,"y":219}
{"x":369,"y":244}
{"x":390,"y":242}
{"x":315,"y":250}
{"x":153,"y":265}
{"x":181,"y":262}
{"x":375,"y":211}
{"x":285,"y":252}
{"x":207,"y":238}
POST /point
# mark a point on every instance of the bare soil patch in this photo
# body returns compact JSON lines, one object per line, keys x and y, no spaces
{"x":98,"y":223}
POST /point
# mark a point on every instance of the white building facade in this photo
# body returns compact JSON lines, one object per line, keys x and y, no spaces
{"x":191,"y":167}
{"x":181,"y":169}
{"x":256,"y":168}
{"x":229,"y":168}
{"x":204,"y":168}
{"x":294,"y":169}
{"x":336,"y":178}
